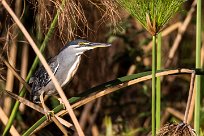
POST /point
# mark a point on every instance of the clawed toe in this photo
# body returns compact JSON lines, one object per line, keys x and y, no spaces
{"x":49,"y":114}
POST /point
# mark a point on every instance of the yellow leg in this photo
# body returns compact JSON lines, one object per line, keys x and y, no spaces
{"x":48,"y":113}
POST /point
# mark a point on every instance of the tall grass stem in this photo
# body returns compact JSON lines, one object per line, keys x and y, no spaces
{"x":153,"y":85}
{"x":158,"y":83}
{"x":198,"y":65}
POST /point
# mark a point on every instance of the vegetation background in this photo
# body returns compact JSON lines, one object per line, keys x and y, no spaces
{"x":125,"y":112}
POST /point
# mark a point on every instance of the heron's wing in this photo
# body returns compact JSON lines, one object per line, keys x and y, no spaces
{"x":41,"y":77}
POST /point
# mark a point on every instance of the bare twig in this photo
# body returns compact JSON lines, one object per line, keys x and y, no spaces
{"x":175,"y":113}
{"x":16,"y":74}
{"x":55,"y":118}
{"x":60,"y":126}
{"x":43,"y":61}
{"x":189,"y":97}
{"x":26,"y":102}
{"x":192,"y":107}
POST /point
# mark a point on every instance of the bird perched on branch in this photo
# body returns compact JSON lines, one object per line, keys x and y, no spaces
{"x":64,"y":66}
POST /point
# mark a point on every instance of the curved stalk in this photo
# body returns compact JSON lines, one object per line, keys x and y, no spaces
{"x":107,"y":88}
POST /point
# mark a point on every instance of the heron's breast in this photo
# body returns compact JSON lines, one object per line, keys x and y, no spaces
{"x":72,"y":70}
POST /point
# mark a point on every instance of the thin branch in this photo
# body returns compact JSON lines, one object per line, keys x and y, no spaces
{"x":55,"y":118}
{"x":24,"y":101}
{"x":16,"y":74}
{"x":44,"y":63}
{"x":175,"y":113}
{"x":189,"y":97}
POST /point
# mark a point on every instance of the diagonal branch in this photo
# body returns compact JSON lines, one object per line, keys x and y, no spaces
{"x":190,"y":95}
{"x":55,"y":118}
{"x":16,"y":74}
{"x":42,"y":59}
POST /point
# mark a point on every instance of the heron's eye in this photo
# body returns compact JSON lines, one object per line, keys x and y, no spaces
{"x":81,"y":43}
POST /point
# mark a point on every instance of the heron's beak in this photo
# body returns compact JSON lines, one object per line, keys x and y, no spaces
{"x":96,"y":45}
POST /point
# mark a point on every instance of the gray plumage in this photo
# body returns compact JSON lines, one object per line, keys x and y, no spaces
{"x":64,"y":67}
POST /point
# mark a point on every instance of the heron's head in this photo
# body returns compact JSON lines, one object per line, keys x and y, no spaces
{"x":80,"y":46}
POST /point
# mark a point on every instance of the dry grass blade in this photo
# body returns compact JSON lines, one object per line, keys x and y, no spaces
{"x":4,"y":119}
{"x":109,"y":10}
{"x":190,"y":95}
{"x":43,"y":61}
{"x":73,"y":18}
{"x":70,"y":17}
{"x":175,"y":113}
{"x":26,"y":102}
{"x":64,"y":122}
{"x":60,"y":126}
{"x":150,"y":27}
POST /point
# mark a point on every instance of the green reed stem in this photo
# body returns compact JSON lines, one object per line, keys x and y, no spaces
{"x":198,"y":65}
{"x":158,"y":83}
{"x":153,"y":85}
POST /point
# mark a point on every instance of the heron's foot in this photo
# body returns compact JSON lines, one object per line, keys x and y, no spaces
{"x":49,"y":114}
{"x":61,"y":102}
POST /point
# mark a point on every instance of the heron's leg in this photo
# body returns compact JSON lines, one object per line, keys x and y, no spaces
{"x":48,"y":113}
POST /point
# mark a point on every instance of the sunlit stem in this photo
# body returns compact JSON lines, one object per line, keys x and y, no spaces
{"x":158,"y":82}
{"x":153,"y":85}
